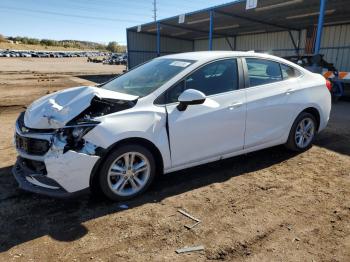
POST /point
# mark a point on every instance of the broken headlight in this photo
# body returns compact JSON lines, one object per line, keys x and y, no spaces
{"x":74,"y":135}
{"x":79,"y":131}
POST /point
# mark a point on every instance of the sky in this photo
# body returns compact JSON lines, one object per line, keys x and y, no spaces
{"x":99,"y":21}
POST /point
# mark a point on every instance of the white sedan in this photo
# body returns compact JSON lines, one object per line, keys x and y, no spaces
{"x":171,"y":113}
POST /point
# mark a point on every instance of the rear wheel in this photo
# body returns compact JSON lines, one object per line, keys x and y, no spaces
{"x":302,"y":133}
{"x":127,"y":172}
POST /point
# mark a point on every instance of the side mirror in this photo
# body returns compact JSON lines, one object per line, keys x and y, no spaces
{"x":190,"y":97}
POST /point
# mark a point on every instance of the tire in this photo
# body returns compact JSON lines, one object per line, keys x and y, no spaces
{"x":120,"y":181}
{"x":295,"y":142}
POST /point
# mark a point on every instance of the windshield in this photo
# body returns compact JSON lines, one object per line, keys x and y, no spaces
{"x":146,"y":78}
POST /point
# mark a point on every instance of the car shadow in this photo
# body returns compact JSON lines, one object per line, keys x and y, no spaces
{"x":332,"y":141}
{"x":25,"y":216}
{"x":336,"y":136}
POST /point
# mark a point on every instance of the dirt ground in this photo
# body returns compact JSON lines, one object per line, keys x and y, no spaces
{"x":270,"y":205}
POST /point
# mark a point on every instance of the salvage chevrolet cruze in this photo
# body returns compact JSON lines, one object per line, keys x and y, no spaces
{"x":171,"y":113}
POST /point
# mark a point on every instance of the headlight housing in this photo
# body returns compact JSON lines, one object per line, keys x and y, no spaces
{"x":74,"y":135}
{"x":78,"y":132}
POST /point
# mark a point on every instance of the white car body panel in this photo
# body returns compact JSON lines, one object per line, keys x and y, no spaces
{"x":64,"y":170}
{"x":313,"y":94}
{"x":225,"y":125}
{"x":269,"y":112}
{"x":57,"y":109}
{"x":146,"y":123}
{"x":222,"y":114}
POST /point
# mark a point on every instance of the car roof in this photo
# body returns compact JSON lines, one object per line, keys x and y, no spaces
{"x":207,"y":56}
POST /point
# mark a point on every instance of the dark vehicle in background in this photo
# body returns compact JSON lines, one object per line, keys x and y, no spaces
{"x":312,"y":62}
{"x":317,"y":64}
{"x":116,"y":59}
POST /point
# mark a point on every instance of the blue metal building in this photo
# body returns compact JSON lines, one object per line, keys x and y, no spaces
{"x":278,"y":27}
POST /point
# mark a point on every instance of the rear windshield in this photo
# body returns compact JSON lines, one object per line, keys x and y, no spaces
{"x":146,"y":78}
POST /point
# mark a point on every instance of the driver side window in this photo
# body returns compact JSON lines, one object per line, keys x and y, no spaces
{"x":214,"y":78}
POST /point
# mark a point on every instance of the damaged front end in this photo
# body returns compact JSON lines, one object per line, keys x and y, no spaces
{"x":55,"y":162}
{"x":55,"y":159}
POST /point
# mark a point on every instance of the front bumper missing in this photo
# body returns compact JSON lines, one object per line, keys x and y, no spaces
{"x":31,"y":181}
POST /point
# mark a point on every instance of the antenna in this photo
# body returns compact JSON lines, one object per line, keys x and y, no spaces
{"x":155,"y":10}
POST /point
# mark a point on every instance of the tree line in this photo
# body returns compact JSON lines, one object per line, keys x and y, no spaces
{"x":111,"y":46}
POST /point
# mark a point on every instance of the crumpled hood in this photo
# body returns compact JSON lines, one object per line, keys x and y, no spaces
{"x":57,"y":109}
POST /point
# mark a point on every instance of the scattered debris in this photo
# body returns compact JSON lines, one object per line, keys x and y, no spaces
{"x":296,"y":239}
{"x":124,"y":206}
{"x":192,"y":226}
{"x":198,"y":221}
{"x":189,"y":249}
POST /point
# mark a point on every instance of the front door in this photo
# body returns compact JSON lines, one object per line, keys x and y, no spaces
{"x":213,"y":128}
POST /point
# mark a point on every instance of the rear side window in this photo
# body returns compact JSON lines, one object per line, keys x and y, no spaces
{"x":261,"y":72}
{"x":214,"y":78}
{"x":289,"y":72}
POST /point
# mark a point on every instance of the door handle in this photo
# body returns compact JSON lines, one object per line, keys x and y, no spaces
{"x":290,"y":91}
{"x":235,"y":105}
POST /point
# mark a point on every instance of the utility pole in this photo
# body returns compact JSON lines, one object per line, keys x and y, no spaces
{"x":155,"y":10}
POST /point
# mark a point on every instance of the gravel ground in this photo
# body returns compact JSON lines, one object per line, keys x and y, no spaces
{"x":270,"y":205}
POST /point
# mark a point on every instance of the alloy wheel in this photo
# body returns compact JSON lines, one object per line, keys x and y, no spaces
{"x":129,"y":173}
{"x":305,"y":132}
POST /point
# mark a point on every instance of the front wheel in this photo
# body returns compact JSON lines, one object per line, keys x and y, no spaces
{"x":302,"y":133}
{"x":127,"y":172}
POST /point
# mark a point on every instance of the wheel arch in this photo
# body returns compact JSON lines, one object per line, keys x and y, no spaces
{"x":313,"y":111}
{"x":290,"y":144}
{"x":132,"y":140}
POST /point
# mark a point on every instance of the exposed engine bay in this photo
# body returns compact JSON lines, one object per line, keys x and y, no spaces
{"x":73,"y":133}
{"x":100,"y":107}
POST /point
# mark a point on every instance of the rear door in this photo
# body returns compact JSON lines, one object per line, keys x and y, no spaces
{"x":268,"y":111}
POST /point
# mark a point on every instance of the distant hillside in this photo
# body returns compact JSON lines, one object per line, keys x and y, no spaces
{"x":15,"y":46}
{"x":27,"y":43}
{"x":82,"y":44}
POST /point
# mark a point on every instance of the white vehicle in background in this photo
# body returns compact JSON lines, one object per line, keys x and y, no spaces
{"x":171,"y":113}
{"x":26,"y":55}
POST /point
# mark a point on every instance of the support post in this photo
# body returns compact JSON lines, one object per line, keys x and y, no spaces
{"x":127,"y":49}
{"x":299,"y":40}
{"x":211,"y":29}
{"x":158,"y":39}
{"x":293,"y":42}
{"x":320,"y":27}
{"x":229,"y":44}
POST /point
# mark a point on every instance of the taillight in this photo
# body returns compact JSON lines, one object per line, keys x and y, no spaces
{"x":329,"y":85}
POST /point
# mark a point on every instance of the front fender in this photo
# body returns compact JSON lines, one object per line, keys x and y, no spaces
{"x":149,"y":125}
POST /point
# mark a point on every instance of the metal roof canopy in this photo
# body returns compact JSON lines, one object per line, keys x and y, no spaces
{"x":232,"y":19}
